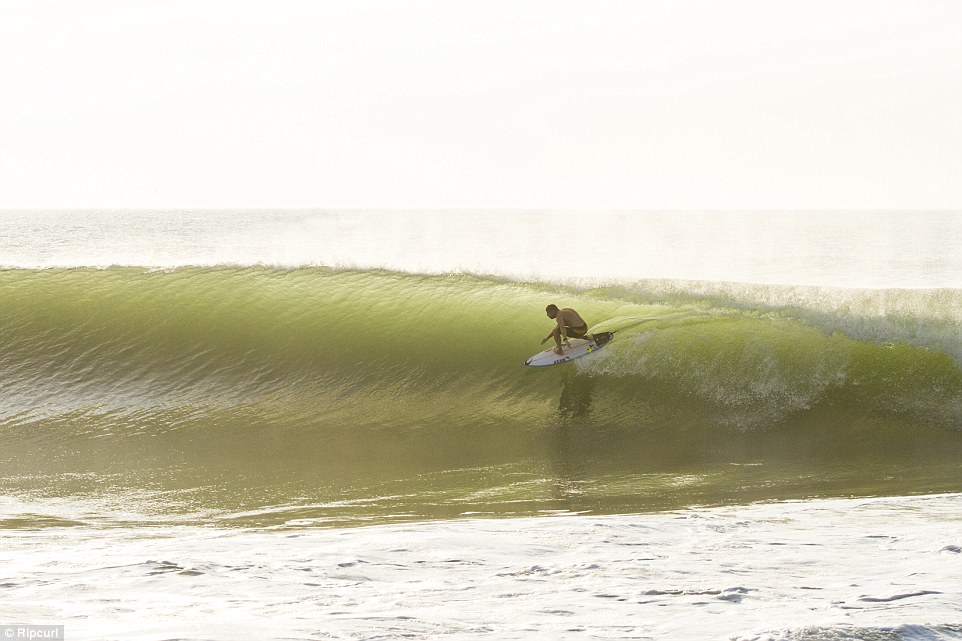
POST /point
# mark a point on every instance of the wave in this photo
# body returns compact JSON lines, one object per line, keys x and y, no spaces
{"x":273,"y":394}
{"x":315,"y":345}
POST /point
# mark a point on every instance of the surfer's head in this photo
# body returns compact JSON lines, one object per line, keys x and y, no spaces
{"x":551,"y":311}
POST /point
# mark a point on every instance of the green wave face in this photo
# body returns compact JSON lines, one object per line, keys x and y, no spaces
{"x":265,"y":396}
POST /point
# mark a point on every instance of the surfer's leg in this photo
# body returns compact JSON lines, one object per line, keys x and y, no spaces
{"x":557,"y":341}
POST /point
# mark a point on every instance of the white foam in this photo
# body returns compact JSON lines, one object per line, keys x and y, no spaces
{"x":813,"y":570}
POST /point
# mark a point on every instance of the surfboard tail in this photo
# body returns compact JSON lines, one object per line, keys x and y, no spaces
{"x":602,"y":338}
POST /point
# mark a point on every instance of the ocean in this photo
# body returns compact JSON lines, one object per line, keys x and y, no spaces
{"x":317,"y":424}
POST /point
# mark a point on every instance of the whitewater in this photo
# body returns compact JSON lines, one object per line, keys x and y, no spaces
{"x":317,"y":424}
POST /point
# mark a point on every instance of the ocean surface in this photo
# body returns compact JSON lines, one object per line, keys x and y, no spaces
{"x":198,"y":411}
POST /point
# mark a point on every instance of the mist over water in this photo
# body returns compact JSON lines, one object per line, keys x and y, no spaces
{"x":885,"y":249}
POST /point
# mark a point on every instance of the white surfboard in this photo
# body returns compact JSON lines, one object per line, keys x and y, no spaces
{"x":578,"y":347}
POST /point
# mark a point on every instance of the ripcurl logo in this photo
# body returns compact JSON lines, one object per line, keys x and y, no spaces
{"x":33,"y":632}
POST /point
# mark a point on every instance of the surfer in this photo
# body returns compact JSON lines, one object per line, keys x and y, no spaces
{"x":570,"y":325}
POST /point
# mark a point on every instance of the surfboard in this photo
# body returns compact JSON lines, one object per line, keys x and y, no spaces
{"x":579,"y":347}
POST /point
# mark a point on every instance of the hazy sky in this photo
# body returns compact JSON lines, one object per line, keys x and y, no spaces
{"x":544,"y":104}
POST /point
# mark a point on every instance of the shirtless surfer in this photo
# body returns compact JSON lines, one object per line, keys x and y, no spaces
{"x":570,"y":325}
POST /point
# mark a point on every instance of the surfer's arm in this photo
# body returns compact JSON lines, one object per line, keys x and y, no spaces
{"x":557,"y":331}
